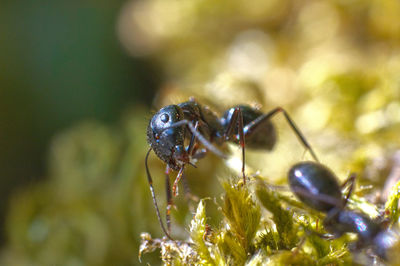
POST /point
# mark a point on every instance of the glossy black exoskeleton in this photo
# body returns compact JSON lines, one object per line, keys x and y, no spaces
{"x":309,"y":178}
{"x":172,"y":125}
{"x":262,"y":137}
{"x":317,"y":186}
{"x":371,"y":233}
{"x":176,"y":132}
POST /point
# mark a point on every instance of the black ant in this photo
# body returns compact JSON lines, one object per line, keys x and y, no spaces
{"x":317,"y":186}
{"x":175,"y":133}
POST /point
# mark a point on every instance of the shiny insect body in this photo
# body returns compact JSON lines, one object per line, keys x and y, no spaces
{"x":317,"y":186}
{"x":176,"y":133}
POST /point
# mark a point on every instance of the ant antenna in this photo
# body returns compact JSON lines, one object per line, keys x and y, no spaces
{"x":154,"y":195}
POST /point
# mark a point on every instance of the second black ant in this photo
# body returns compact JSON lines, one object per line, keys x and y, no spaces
{"x":175,"y":133}
{"x":317,"y":187}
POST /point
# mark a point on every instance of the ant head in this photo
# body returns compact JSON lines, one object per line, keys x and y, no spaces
{"x":166,"y":141}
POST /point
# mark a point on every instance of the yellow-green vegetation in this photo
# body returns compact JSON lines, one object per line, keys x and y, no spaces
{"x":259,"y":228}
{"x":392,"y":204}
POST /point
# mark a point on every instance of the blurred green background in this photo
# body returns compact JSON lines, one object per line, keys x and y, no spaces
{"x":79,"y":80}
{"x":61,"y":62}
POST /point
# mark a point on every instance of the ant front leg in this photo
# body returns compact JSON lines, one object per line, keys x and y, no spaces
{"x":192,"y":151}
{"x":193,"y":148}
{"x":178,"y":177}
{"x":251,"y":127}
{"x":169,"y":198}
{"x":199,"y":137}
{"x":237,"y":120}
{"x":189,"y":151}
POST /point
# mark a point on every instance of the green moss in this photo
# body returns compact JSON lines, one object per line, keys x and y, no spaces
{"x":246,"y":236}
{"x":282,"y":218}
{"x":242,"y":214}
{"x":198,"y":233}
{"x":392,"y":204}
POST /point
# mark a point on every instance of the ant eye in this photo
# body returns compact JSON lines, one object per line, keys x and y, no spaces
{"x":164,"y":118}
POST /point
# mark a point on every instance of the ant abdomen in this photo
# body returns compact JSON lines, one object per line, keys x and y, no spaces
{"x":315,"y":185}
{"x":263,"y":137}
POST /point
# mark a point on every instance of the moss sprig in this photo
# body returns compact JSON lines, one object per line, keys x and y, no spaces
{"x":198,"y":233}
{"x":392,"y":204}
{"x":282,"y":218}
{"x":242,"y":214}
{"x":172,"y":252}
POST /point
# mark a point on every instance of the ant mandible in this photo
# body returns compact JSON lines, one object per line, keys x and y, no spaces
{"x":173,"y":126}
{"x":317,"y":186}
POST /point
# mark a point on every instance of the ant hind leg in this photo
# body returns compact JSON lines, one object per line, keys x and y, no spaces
{"x":350,"y":181}
{"x":262,"y":119}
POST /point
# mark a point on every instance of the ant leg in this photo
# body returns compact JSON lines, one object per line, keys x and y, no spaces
{"x":169,"y":198}
{"x":199,"y":136}
{"x":350,"y":180}
{"x":193,"y":148}
{"x":190,"y":148}
{"x":251,"y":127}
{"x":237,"y":118}
{"x":153,"y":195}
{"x":178,"y":177}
